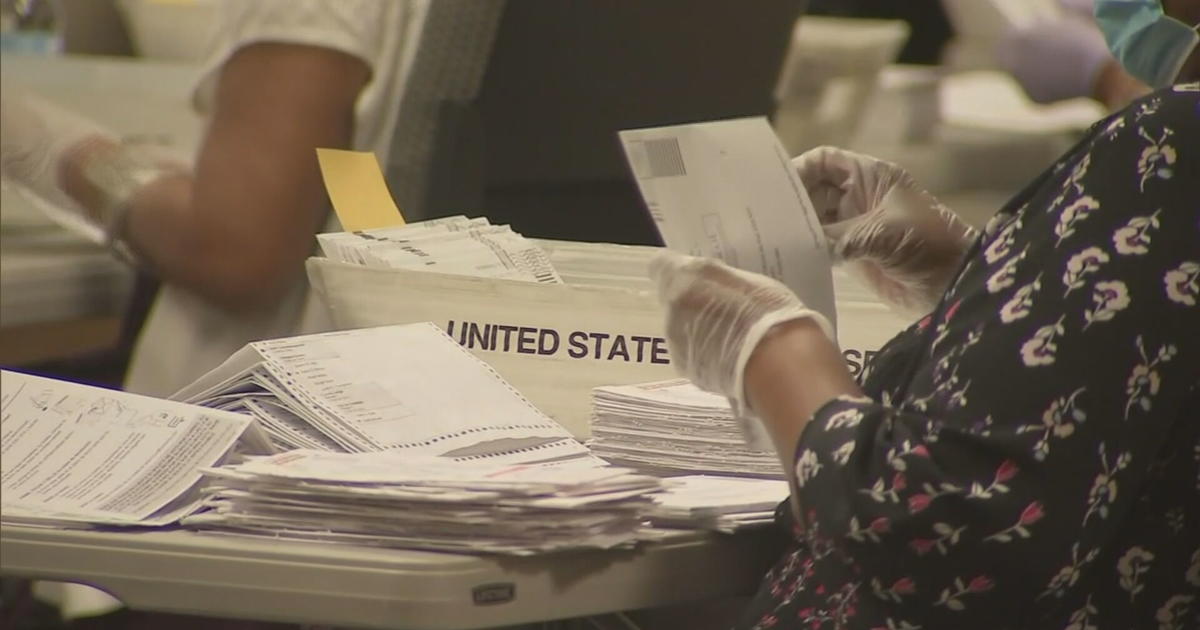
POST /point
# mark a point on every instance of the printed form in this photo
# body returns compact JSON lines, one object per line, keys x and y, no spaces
{"x":78,"y":453}
{"x":727,"y":190}
{"x":410,"y":388}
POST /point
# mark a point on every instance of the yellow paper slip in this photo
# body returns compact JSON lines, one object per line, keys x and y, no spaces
{"x":355,"y":185}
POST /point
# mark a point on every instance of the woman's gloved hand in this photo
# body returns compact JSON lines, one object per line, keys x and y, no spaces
{"x":36,"y":137}
{"x":896,"y":236}
{"x":75,"y":171}
{"x":716,"y":316}
{"x":1054,"y":59}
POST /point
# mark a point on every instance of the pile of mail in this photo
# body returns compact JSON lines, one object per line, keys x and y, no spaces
{"x":409,"y":388}
{"x":672,"y":427}
{"x":724,"y":504}
{"x":400,"y":500}
{"x":454,"y":245}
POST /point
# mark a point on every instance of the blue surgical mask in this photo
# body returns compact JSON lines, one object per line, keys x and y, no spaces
{"x":1150,"y":44}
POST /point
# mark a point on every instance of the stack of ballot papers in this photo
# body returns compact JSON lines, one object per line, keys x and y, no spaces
{"x":401,"y":500}
{"x":78,"y":455}
{"x":672,"y":427}
{"x":453,"y":245}
{"x":724,"y":504}
{"x":406,"y":388}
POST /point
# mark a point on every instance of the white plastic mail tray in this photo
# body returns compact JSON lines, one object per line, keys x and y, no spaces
{"x":556,"y":342}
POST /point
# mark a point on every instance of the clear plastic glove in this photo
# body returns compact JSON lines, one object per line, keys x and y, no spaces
{"x":716,"y":316}
{"x":1054,"y":60}
{"x":36,"y":136}
{"x":894,"y":235}
{"x":46,"y":146}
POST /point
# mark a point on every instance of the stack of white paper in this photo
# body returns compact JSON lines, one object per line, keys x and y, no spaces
{"x":408,"y":388}
{"x":398,"y":500}
{"x":724,"y":504}
{"x":454,"y":245}
{"x":78,"y":454}
{"x":671,"y":427}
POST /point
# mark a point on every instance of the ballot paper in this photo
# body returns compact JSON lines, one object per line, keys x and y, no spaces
{"x":724,"y":504}
{"x":397,"y":499}
{"x":453,"y":245}
{"x":407,"y":388}
{"x":79,"y":454}
{"x":727,"y":190}
{"x":672,"y":427}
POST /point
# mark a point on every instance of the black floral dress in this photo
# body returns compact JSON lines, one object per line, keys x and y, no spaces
{"x":1028,"y":455}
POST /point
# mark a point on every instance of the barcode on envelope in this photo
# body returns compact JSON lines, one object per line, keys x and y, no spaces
{"x":663,"y":157}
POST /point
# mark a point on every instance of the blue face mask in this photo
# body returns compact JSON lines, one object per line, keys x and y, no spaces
{"x":1151,"y":45}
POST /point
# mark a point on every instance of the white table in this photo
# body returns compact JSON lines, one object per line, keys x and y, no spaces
{"x":254,"y":578}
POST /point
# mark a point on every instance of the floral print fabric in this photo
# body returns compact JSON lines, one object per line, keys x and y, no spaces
{"x":1028,"y":455}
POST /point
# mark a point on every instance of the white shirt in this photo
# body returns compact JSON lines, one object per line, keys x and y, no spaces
{"x":384,"y":34}
{"x":184,"y":336}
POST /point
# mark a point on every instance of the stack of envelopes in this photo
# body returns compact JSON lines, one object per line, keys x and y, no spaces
{"x":672,"y":427}
{"x":397,"y":500}
{"x":724,"y":504}
{"x":454,"y":245}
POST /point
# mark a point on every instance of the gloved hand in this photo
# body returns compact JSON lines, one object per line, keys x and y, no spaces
{"x":716,"y":316}
{"x":45,"y":145}
{"x":896,"y":236}
{"x":1054,"y":60}
{"x":36,"y":136}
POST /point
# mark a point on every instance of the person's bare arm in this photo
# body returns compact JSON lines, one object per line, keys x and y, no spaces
{"x":1116,"y":88}
{"x":789,"y":376}
{"x":237,"y":230}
